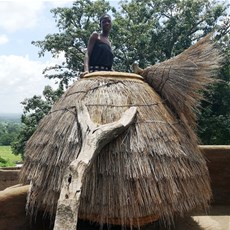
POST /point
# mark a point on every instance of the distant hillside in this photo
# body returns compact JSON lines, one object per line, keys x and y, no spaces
{"x":10,"y":117}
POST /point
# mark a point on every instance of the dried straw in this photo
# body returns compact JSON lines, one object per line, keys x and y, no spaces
{"x":153,"y":169}
{"x":181,"y":79}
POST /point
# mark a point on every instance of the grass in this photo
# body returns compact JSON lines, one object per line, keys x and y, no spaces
{"x":7,"y":158}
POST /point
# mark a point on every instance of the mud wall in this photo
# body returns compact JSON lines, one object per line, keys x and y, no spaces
{"x":218,"y":161}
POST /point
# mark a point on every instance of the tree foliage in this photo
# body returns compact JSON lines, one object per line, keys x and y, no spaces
{"x":214,"y":121}
{"x":147,"y":31}
{"x":35,"y":109}
{"x":75,"y":25}
{"x":8,"y":132}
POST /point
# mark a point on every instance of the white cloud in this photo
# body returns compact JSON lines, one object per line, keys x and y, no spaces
{"x":61,"y":3}
{"x":15,"y":15}
{"x":3,"y":39}
{"x":22,"y":21}
{"x":20,"y":78}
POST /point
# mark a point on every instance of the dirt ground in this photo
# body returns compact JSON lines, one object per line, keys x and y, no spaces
{"x":217,"y":218}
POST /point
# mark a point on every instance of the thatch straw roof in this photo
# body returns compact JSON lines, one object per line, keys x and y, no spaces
{"x":180,"y":80}
{"x":155,"y":168}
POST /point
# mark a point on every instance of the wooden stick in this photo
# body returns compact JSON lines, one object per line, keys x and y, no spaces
{"x":94,"y":138}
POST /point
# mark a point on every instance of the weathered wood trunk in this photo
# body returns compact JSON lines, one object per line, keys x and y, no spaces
{"x":94,"y":138}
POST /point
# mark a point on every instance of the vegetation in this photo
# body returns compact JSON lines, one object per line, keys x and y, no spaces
{"x":10,"y":127}
{"x":35,"y":108}
{"x":147,"y":31}
{"x":7,"y":158}
{"x":9,"y":131}
{"x":214,"y":120}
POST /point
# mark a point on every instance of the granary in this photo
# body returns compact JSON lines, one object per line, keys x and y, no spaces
{"x":154,"y":169}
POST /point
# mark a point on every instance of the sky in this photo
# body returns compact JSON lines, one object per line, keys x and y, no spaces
{"x":21,"y":22}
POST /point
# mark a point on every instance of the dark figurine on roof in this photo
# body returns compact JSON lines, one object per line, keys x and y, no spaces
{"x":99,"y":55}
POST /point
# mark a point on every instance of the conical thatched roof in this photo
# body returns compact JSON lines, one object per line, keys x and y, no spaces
{"x":153,"y":169}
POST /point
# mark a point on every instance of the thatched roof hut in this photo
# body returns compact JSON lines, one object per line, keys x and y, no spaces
{"x":154,"y":169}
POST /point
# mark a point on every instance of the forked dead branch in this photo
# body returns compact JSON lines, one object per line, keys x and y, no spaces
{"x":94,"y":137}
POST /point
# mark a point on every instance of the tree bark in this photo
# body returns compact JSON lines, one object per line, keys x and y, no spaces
{"x":94,"y":138}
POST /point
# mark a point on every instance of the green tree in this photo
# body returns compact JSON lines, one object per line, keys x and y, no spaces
{"x":154,"y":31}
{"x":214,"y":121}
{"x":75,"y":25}
{"x":2,"y":128}
{"x":35,"y":109}
{"x":6,"y":139}
{"x":8,"y":132}
{"x":147,"y":31}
